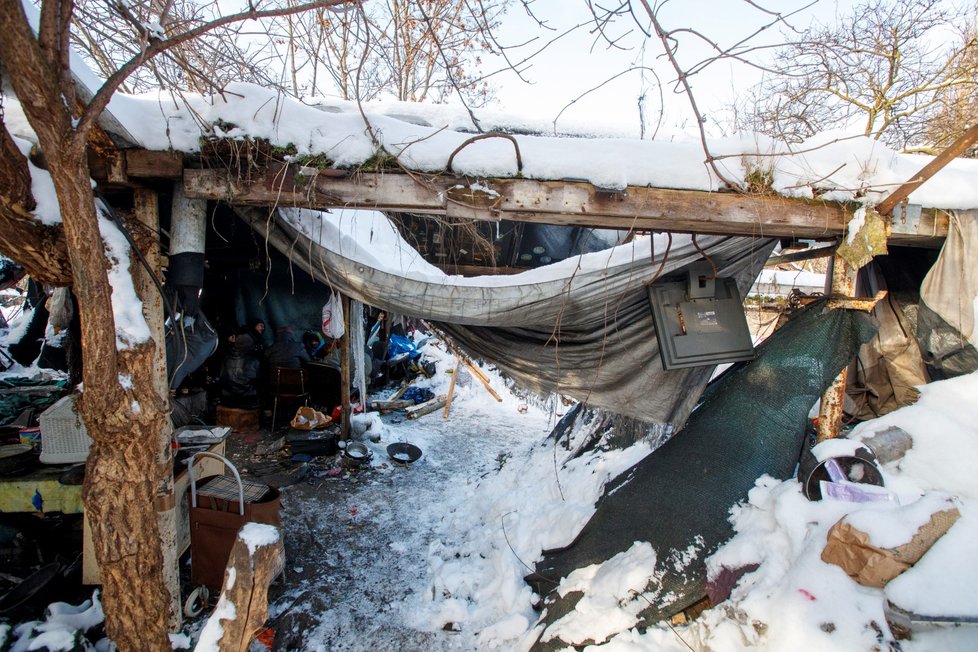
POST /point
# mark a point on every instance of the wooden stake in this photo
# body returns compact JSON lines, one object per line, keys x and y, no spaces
{"x":345,"y":369}
{"x":451,"y":393}
{"x":247,"y":588}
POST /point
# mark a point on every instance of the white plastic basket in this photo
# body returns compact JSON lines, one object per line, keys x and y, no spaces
{"x":64,"y":438}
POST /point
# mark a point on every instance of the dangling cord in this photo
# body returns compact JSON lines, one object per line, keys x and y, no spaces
{"x":708,"y":259}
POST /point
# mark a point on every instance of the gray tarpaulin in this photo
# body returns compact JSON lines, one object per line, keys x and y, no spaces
{"x":582,"y":327}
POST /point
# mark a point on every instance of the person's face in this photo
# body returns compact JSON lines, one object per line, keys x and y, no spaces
{"x":260,"y":327}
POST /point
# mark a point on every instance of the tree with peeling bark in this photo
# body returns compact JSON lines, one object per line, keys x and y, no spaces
{"x":121,"y":403}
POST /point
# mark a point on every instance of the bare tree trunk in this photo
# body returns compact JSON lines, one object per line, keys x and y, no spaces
{"x":122,"y":474}
{"x":41,"y":250}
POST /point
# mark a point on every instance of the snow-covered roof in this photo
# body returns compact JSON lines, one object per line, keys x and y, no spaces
{"x":833,"y":167}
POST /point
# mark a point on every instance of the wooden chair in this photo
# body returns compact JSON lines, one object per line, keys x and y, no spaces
{"x":288,"y":384}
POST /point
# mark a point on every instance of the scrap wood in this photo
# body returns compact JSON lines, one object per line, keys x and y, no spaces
{"x":400,"y":392}
{"x":482,"y":378}
{"x":426,"y":407}
{"x":451,"y":393}
{"x":477,"y":373}
{"x":389,"y":405}
{"x":257,"y":558}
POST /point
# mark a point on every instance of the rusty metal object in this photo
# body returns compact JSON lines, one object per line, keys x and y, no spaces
{"x":853,"y":303}
{"x":830,"y":409}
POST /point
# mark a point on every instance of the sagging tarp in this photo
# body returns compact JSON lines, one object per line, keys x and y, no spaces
{"x":948,"y":299}
{"x":751,"y":422}
{"x":889,"y":368}
{"x":581,"y":327}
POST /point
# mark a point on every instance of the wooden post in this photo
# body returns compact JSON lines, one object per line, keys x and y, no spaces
{"x":257,"y":558}
{"x":345,"y":369}
{"x":147,"y":212}
{"x":830,"y":409}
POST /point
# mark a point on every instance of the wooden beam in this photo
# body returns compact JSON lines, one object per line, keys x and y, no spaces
{"x":799,"y":256}
{"x":830,"y":407}
{"x":525,"y":200}
{"x":954,"y":150}
{"x":147,"y":164}
{"x":146,"y":209}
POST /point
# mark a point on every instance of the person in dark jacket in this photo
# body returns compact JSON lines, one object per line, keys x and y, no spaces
{"x":240,"y":374}
{"x":256,"y":329}
{"x":286,"y":351}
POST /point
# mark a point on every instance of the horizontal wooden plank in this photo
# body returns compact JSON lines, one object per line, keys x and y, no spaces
{"x":526,"y":200}
{"x":144,"y":163}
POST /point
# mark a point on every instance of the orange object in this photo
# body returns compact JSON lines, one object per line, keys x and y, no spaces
{"x":266,"y":636}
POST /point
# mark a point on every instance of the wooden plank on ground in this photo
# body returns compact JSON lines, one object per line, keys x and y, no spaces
{"x":389,"y":406}
{"x":427,"y":407}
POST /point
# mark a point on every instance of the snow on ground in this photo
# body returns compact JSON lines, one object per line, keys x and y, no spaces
{"x":432,"y":556}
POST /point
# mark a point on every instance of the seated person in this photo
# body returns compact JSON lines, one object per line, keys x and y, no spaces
{"x":240,"y":374}
{"x":315,"y":344}
{"x":286,"y":351}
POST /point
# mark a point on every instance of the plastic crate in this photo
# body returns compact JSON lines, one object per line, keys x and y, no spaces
{"x":64,"y":438}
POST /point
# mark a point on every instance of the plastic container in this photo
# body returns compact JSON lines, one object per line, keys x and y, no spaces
{"x":64,"y":438}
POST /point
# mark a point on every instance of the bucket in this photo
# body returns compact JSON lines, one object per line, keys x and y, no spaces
{"x":859,"y":465}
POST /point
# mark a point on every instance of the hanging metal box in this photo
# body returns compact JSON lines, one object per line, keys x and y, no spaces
{"x":700,"y":321}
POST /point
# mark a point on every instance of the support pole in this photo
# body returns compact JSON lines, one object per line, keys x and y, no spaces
{"x":345,"y":369}
{"x":830,"y":409}
{"x":147,"y":212}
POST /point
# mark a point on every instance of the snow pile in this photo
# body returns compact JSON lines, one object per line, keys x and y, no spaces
{"x":492,"y":533}
{"x":489,"y":540}
{"x":65,"y":628}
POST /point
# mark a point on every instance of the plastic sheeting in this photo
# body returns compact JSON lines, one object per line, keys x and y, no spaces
{"x":889,"y":368}
{"x":949,"y":303}
{"x":581,"y":327}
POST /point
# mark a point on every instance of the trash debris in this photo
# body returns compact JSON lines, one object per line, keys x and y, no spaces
{"x":841,"y":462}
{"x":869,"y":564}
{"x":307,"y":418}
